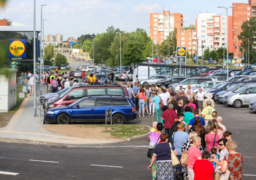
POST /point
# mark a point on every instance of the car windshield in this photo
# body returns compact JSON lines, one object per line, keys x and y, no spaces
{"x":64,"y":93}
{"x":202,"y":84}
{"x":239,"y":89}
{"x":217,"y":86}
{"x":184,"y":81}
{"x":232,"y":87}
{"x":152,"y":77}
{"x":168,"y":79}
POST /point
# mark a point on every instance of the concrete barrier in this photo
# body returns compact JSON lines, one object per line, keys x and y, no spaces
{"x":22,"y":95}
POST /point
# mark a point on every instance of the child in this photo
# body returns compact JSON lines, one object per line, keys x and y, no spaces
{"x":154,"y":127}
{"x":214,"y":155}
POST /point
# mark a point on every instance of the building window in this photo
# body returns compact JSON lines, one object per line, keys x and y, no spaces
{"x":155,"y":36}
{"x":161,"y":36}
{"x":210,"y":25}
{"x":248,"y":8}
{"x":216,"y":24}
{"x":155,"y":28}
{"x":209,"y":20}
{"x":248,"y":19}
{"x":189,"y":43}
{"x":217,"y":34}
{"x":183,"y":38}
{"x":182,"y":43}
{"x":203,"y":26}
{"x":155,"y":32}
{"x":155,"y":20}
{"x":189,"y":48}
{"x":203,"y":36}
{"x":203,"y":31}
{"x":209,"y":31}
{"x":224,"y":24}
{"x":189,"y":38}
{"x":248,"y":14}
{"x":162,"y":41}
{"x":155,"y":41}
{"x":155,"y":15}
{"x":189,"y":34}
{"x":155,"y":24}
{"x":182,"y":34}
{"x":203,"y":21}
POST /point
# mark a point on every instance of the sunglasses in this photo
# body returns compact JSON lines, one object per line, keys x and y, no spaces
{"x":220,"y":144}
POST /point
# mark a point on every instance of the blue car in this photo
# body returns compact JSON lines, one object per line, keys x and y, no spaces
{"x":92,"y":109}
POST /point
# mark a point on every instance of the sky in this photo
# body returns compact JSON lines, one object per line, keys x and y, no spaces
{"x":73,"y":18}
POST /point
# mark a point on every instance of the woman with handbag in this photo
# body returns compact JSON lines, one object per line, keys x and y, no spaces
{"x":193,"y":154}
{"x":154,"y":138}
{"x":165,"y":157}
{"x":184,"y":155}
{"x":212,"y":138}
{"x":233,"y":162}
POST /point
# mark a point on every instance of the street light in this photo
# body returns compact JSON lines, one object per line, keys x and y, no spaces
{"x":180,"y":41}
{"x":43,"y":35}
{"x":248,"y":56}
{"x":152,"y":44}
{"x":120,"y":49}
{"x":227,"y":31}
{"x":42,"y":22}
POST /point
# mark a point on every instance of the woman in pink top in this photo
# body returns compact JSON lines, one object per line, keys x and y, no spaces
{"x":191,"y":104}
{"x":141,"y":95}
{"x":193,"y":154}
{"x":212,"y":138}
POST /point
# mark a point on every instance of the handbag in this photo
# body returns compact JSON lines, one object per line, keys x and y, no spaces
{"x":184,"y":158}
{"x":175,"y":160}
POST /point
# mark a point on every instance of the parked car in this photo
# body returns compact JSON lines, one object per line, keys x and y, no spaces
{"x":220,"y":95}
{"x":62,"y":66}
{"x":246,"y":78}
{"x":104,"y":76}
{"x":129,"y":75}
{"x":194,"y":81}
{"x":241,"y":96}
{"x":235,"y":78}
{"x":47,"y":96}
{"x":168,"y":81}
{"x":88,"y":90}
{"x":206,"y":85}
{"x":252,"y":105}
{"x":92,"y":109}
{"x":152,"y":80}
{"x":76,"y":73}
{"x":222,"y":87}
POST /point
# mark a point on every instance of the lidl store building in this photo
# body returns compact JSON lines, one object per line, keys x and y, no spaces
{"x":19,"y":52}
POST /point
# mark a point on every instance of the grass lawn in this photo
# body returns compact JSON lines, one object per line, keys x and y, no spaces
{"x":6,"y":117}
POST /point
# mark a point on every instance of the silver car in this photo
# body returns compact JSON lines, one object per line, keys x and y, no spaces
{"x":152,"y":80}
{"x":241,"y":96}
{"x":206,"y":85}
{"x":252,"y":105}
{"x":77,"y":73}
{"x":219,"y":97}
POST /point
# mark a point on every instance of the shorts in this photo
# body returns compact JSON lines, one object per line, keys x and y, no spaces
{"x":200,"y":104}
{"x":31,"y":87}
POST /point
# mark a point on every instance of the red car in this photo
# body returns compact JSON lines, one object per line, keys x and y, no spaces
{"x":77,"y":93}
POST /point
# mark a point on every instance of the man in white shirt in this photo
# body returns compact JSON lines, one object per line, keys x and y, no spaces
{"x":232,"y":74}
{"x":29,"y":74}
{"x":189,"y":91}
{"x":164,"y":96}
{"x":200,"y":99}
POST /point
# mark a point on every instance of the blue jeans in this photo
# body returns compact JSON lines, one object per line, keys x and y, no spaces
{"x":147,"y":105}
{"x":168,"y":131}
{"x":141,"y":105}
{"x":178,"y":168}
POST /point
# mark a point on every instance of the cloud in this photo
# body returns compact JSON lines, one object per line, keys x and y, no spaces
{"x":144,"y":8}
{"x":174,"y":6}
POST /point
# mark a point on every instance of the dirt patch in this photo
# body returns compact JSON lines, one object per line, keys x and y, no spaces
{"x":5,"y":118}
{"x":97,"y":132}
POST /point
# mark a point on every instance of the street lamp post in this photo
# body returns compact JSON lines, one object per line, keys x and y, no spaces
{"x":180,"y":42}
{"x":152,"y":44}
{"x":93,"y":51}
{"x":42,"y":23}
{"x":227,"y":32}
{"x":34,"y":58}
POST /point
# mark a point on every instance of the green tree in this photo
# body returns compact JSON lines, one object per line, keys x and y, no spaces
{"x":148,"y":50}
{"x":48,"y":61}
{"x":206,"y":54}
{"x":132,"y":54}
{"x":87,"y":46}
{"x":77,"y":46}
{"x":61,"y":60}
{"x":248,"y":31}
{"x":220,"y":52}
{"x":213,"y":54}
{"x":191,"y":26}
{"x":49,"y":51}
{"x":85,"y":37}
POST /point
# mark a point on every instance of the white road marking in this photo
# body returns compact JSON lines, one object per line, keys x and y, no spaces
{"x":249,"y":174}
{"x":8,"y":173}
{"x":141,"y":146}
{"x":106,"y":166}
{"x":35,"y":160}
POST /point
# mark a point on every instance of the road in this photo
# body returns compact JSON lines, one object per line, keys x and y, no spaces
{"x":122,"y":161}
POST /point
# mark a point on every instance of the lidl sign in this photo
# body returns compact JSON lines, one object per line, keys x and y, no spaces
{"x":181,"y":51}
{"x":17,"y":48}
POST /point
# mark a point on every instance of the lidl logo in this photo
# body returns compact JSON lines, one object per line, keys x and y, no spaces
{"x":17,"y":48}
{"x":181,"y":51}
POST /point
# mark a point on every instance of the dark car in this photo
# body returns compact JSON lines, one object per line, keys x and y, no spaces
{"x":220,"y":88}
{"x":169,"y":80}
{"x":77,"y":93}
{"x":92,"y":109}
{"x":248,"y":69}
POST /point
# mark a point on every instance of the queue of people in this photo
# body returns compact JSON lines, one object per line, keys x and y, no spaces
{"x":196,"y":135}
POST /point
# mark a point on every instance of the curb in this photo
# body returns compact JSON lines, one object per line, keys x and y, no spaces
{"x":27,"y":141}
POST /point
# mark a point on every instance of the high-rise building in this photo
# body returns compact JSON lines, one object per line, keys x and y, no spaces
{"x":188,"y":40}
{"x":59,"y":37}
{"x":161,"y":24}
{"x":211,"y":32}
{"x":53,"y":38}
{"x":241,"y":12}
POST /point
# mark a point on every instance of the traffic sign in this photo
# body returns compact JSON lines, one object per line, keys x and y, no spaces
{"x":181,"y":51}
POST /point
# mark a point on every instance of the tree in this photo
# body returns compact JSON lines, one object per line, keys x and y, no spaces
{"x":132,"y":54}
{"x":48,"y":61}
{"x":3,"y":2}
{"x":206,"y":54}
{"x":49,"y":51}
{"x":85,"y":37}
{"x":148,"y":50}
{"x":191,"y":26}
{"x":77,"y":46}
{"x":220,"y":51}
{"x":248,"y":31}
{"x":87,"y":46}
{"x":61,"y":60}
{"x":213,"y":54}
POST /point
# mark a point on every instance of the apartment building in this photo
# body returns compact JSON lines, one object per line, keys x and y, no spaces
{"x":161,"y":24}
{"x":53,"y":38}
{"x":211,"y":32}
{"x":242,"y":12}
{"x":59,"y":38}
{"x":188,"y":40}
{"x":3,"y":22}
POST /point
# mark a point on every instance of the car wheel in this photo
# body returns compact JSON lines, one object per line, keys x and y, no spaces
{"x":237,"y":104}
{"x":63,"y":119}
{"x":118,"y":119}
{"x":144,"y":84}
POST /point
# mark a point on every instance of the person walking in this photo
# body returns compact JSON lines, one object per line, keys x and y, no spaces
{"x":135,"y":91}
{"x":125,"y":77}
{"x":192,"y":121}
{"x":54,"y":85}
{"x":162,"y":156}
{"x":212,"y":138}
{"x":191,"y":104}
{"x":182,"y":97}
{"x":219,"y":120}
{"x":154,"y":139}
{"x":111,"y":75}
{"x":233,"y":162}
{"x":179,"y":138}
{"x":207,"y":113}
{"x":56,"y":70}
{"x":156,"y":100}
{"x":151,"y":104}
{"x":31,"y":84}
{"x":200,"y":130}
{"x":185,"y":147}
{"x":193,"y":154}
{"x":67,"y":83}
{"x":164,"y":97}
{"x":188,"y":116}
{"x":169,"y":117}
{"x":200,"y":99}
{"x":203,"y":169}
{"x":141,"y":102}
{"x":189,"y":91}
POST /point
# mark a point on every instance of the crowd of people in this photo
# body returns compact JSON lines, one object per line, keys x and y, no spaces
{"x":194,"y":132}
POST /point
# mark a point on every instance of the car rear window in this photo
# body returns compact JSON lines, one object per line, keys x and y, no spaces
{"x":115,"y":92}
{"x":120,"y":102}
{"x":103,"y":102}
{"x":87,"y":103}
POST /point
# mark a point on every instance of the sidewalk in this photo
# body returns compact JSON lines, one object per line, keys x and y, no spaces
{"x":24,"y":127}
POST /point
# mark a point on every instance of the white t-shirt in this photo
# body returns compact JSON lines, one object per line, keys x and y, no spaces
{"x":168,"y":94}
{"x":31,"y":81}
{"x":164,"y":97}
{"x":200,"y":96}
{"x":29,"y":74}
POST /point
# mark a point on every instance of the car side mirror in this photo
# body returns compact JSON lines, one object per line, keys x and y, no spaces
{"x":77,"y":106}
